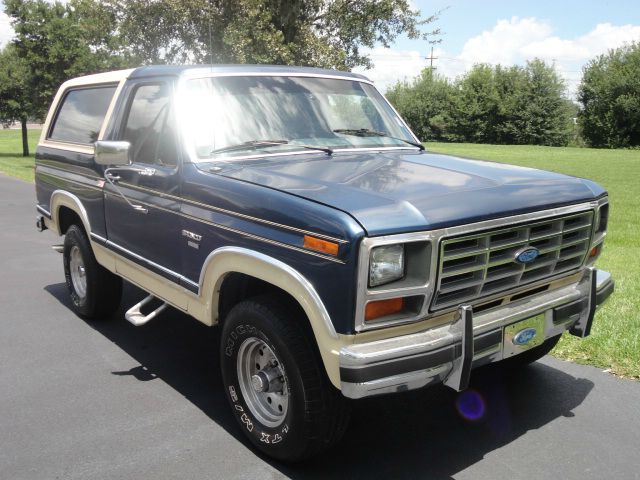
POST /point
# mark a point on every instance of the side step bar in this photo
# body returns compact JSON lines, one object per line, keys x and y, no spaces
{"x":135,"y":315}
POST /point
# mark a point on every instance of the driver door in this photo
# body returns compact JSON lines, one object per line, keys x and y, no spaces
{"x":142,"y":203}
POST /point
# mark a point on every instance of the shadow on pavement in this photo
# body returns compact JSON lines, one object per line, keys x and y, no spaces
{"x":415,"y":434}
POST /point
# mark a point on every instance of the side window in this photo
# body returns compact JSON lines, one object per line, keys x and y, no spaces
{"x":149,"y":126}
{"x":81,"y":115}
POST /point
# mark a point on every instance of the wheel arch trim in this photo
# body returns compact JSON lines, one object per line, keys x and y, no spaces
{"x":227,"y":260}
{"x":62,"y":198}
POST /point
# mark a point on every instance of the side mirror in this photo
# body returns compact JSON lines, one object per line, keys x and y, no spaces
{"x":112,"y":153}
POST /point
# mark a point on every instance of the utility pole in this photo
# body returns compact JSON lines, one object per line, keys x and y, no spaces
{"x":431,"y":58}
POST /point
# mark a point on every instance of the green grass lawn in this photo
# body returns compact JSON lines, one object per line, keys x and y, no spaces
{"x":615,"y":338}
{"x":11,"y":160}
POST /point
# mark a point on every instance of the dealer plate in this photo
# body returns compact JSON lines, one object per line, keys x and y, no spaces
{"x":523,"y":335}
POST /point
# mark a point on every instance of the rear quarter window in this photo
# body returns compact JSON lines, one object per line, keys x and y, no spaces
{"x":81,"y":114}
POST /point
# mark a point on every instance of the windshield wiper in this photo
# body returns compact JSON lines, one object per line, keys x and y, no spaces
{"x":253,"y":144}
{"x":366,"y":132}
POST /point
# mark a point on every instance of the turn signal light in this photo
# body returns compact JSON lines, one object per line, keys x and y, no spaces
{"x":382,"y":308}
{"x":319,"y":245}
{"x":594,"y":251}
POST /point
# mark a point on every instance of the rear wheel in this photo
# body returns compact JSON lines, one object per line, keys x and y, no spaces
{"x":276,"y":384}
{"x":95,"y":292}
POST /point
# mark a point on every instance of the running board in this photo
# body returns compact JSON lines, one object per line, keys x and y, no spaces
{"x":135,"y":315}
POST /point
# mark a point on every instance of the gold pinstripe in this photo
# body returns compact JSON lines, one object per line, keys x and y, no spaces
{"x":198,"y":204}
{"x":230,"y":212}
{"x":234,"y":230}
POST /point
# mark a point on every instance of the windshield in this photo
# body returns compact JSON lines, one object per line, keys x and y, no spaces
{"x":227,"y":117}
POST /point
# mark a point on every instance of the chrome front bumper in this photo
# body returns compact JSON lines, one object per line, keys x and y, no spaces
{"x":448,"y":353}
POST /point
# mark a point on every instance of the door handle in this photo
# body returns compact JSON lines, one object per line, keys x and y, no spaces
{"x":111,"y":177}
{"x":146,"y":172}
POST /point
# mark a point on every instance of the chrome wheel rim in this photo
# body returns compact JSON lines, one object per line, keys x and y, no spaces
{"x":78,"y":272}
{"x":263,"y":382}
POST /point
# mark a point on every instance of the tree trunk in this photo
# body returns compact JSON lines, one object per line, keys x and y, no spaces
{"x":25,"y":138}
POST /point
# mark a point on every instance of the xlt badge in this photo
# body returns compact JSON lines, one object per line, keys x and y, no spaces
{"x":191,"y":235}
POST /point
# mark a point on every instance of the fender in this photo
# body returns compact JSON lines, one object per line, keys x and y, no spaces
{"x":226,"y":260}
{"x":220,"y":263}
{"x":61,"y":198}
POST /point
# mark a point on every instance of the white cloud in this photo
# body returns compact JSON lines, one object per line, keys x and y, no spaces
{"x":391,"y":66}
{"x":6,"y":31}
{"x":503,"y":43}
{"x":510,"y":41}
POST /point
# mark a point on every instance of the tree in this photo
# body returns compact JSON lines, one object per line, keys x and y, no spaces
{"x":513,"y":105}
{"x":489,"y":104}
{"x":426,"y":104}
{"x":610,"y":97}
{"x":55,"y":42}
{"x":540,"y":114}
{"x":323,"y":33}
{"x":15,"y":104}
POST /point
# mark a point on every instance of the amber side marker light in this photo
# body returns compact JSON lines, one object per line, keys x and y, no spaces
{"x":382,"y":308}
{"x":594,"y":251}
{"x":319,"y":245}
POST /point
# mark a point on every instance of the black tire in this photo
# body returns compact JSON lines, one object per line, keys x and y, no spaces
{"x":103,"y":290}
{"x":316,"y":415}
{"x":533,"y":355}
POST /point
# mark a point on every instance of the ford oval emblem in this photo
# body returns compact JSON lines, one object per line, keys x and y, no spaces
{"x":524,"y":336}
{"x":527,"y":255}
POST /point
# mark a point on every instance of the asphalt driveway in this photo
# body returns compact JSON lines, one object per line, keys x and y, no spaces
{"x":102,"y":400}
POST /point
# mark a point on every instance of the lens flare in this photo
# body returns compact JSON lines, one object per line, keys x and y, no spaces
{"x":470,"y":405}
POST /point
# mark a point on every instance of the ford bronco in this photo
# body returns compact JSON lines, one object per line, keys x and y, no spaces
{"x":295,"y":209}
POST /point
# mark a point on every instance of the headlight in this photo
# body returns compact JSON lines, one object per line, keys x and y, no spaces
{"x":386,"y":264}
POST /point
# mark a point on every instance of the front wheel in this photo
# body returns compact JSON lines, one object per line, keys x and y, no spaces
{"x":95,"y":292}
{"x":276,"y":384}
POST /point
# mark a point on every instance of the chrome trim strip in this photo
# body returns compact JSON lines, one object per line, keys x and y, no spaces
{"x":230,"y":212}
{"x":67,"y":146}
{"x":234,"y":230}
{"x":143,"y":260}
{"x":366,"y":294}
{"x":256,"y":237}
{"x":298,"y":277}
{"x":77,"y":178}
{"x":53,"y":164}
{"x":98,"y":237}
{"x":66,"y":175}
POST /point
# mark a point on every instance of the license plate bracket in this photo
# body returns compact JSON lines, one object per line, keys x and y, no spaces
{"x":523,"y":335}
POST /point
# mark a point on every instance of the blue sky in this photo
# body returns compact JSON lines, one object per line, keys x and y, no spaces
{"x":566,"y":33}
{"x":570,"y":18}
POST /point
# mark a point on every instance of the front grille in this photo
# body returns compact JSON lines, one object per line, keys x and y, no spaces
{"x":478,"y":265}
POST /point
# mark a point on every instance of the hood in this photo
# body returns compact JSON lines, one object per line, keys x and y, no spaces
{"x":400,"y":191}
